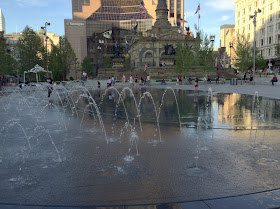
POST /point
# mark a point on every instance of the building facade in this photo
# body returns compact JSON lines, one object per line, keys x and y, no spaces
{"x":267,"y":24}
{"x":92,"y":18}
{"x":2,"y":22}
{"x":227,"y":53}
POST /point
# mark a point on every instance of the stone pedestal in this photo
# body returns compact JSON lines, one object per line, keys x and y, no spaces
{"x":118,"y":63}
{"x":168,"y":60}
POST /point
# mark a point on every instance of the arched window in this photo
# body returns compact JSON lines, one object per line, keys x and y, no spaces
{"x":149,"y":54}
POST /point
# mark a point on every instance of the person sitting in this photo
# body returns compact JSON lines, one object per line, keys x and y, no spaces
{"x":209,"y":80}
{"x":163,"y":81}
{"x":274,"y":79}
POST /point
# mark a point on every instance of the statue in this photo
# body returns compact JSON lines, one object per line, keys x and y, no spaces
{"x":169,"y":50}
{"x":117,"y":50}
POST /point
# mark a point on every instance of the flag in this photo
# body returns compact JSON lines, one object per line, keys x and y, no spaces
{"x":135,"y":27}
{"x":198,"y":8}
{"x":182,"y":20}
{"x":133,"y":19}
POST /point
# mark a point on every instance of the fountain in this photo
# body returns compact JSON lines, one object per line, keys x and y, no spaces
{"x":121,"y":146}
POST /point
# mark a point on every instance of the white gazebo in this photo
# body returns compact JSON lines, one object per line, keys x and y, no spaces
{"x":37,"y":69}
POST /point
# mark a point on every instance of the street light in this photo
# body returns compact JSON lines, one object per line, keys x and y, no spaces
{"x":154,"y":36}
{"x":230,"y":46}
{"x":254,"y":17}
{"x":45,"y":28}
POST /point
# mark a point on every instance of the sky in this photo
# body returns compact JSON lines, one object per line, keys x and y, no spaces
{"x":34,"y":13}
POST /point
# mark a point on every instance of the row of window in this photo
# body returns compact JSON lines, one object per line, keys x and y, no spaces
{"x":251,"y":9}
{"x":119,"y":17}
{"x":261,"y":21}
{"x":270,"y":29}
{"x":118,"y":9}
{"x":256,"y":3}
{"x":120,"y":2}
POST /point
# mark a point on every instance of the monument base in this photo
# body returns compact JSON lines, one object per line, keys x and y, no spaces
{"x":118,"y":63}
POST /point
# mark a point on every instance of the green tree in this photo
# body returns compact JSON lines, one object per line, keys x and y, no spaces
{"x":87,"y":66}
{"x":260,"y":61}
{"x":206,"y":58}
{"x":277,"y":53}
{"x":185,"y":59}
{"x":243,"y":59}
{"x":127,"y":62}
{"x":107,"y":62}
{"x":29,"y":50}
{"x":7,"y":62}
{"x":62,"y":59}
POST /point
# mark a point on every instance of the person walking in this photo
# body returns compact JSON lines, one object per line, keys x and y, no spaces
{"x":148,"y":80}
{"x":50,"y":88}
{"x":131,"y":81}
{"x":196,"y":86}
{"x":113,"y":81}
{"x":123,"y":80}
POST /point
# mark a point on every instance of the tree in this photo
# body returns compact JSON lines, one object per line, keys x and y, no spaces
{"x":206,"y":58}
{"x":127,"y":62}
{"x":87,"y":66}
{"x":7,"y":62}
{"x":277,"y":52}
{"x":107,"y":62}
{"x":243,"y":59}
{"x":62,"y":59}
{"x":260,"y":61}
{"x":185,"y":58}
{"x":29,"y":50}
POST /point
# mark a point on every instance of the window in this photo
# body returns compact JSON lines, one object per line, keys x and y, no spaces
{"x":243,"y":20}
{"x":269,"y":52}
{"x":263,"y":1}
{"x":270,"y":18}
{"x":262,"y":42}
{"x":243,"y":11}
{"x":270,"y":29}
{"x":238,"y":14}
{"x":271,"y":6}
{"x":278,"y":26}
{"x":263,"y":10}
{"x":269,"y":40}
{"x":248,"y":36}
{"x":149,"y":54}
{"x":249,"y":27}
{"x":243,"y":30}
{"x":278,"y":38}
{"x":250,"y":8}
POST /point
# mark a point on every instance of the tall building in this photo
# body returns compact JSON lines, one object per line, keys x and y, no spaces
{"x":90,"y":18}
{"x":267,"y":24}
{"x":2,"y":22}
{"x":227,"y":35}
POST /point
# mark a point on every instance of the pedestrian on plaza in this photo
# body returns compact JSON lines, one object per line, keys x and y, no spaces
{"x":136,"y":80}
{"x":244,"y":77}
{"x":277,"y":71}
{"x":113,"y":80}
{"x":180,"y":79}
{"x":131,"y":81}
{"x":251,"y":78}
{"x":109,"y":82}
{"x":99,"y":84}
{"x":149,"y":79}
{"x":4,"y":81}
{"x":274,"y":79}
{"x":196,"y":86}
{"x":264,"y":73}
{"x":123,"y":80}
{"x":50,"y":84}
{"x":217,"y":79}
{"x":190,"y":80}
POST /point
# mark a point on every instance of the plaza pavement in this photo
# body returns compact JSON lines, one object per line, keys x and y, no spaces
{"x":263,"y":200}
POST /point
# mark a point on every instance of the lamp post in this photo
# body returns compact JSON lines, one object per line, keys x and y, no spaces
{"x":154,"y":36}
{"x":230,"y":46}
{"x":254,"y":17}
{"x":45,"y":28}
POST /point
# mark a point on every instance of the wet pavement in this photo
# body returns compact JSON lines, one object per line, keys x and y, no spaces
{"x":58,"y":156}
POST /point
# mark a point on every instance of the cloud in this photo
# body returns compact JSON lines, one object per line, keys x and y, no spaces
{"x":32,"y":3}
{"x":224,"y":18}
{"x":221,"y":5}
